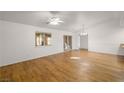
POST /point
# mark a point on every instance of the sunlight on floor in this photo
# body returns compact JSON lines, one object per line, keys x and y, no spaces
{"x":75,"y":58}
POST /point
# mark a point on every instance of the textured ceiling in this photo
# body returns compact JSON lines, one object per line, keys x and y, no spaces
{"x":73,"y":21}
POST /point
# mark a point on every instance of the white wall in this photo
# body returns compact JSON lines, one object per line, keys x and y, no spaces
{"x":106,"y":37}
{"x":0,"y":42}
{"x":19,"y":42}
{"x":84,"y":42}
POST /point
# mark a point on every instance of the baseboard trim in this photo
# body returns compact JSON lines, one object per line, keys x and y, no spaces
{"x":61,"y":53}
{"x":36,"y":58}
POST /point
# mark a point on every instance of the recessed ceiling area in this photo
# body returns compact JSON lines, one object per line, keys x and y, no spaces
{"x":73,"y":20}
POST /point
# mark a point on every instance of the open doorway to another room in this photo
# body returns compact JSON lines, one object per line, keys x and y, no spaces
{"x":67,"y":42}
{"x":84,"y":42}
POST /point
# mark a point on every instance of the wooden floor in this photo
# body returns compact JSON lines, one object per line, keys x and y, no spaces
{"x":90,"y":67}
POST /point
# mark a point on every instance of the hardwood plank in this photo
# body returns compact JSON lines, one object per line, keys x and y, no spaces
{"x":60,"y":68}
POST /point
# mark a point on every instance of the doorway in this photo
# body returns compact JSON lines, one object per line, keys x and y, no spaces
{"x":84,"y":42}
{"x":67,"y":42}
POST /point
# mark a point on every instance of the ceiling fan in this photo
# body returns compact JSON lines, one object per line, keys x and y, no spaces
{"x":54,"y":20}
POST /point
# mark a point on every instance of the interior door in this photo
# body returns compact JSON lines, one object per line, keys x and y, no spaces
{"x":67,"y":42}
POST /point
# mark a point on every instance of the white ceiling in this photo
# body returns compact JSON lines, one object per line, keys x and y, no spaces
{"x":73,"y":20}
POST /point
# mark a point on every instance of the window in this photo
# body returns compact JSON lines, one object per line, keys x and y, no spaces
{"x":42,"y":39}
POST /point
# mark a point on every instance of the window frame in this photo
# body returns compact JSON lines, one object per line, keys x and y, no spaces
{"x":44,"y":42}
